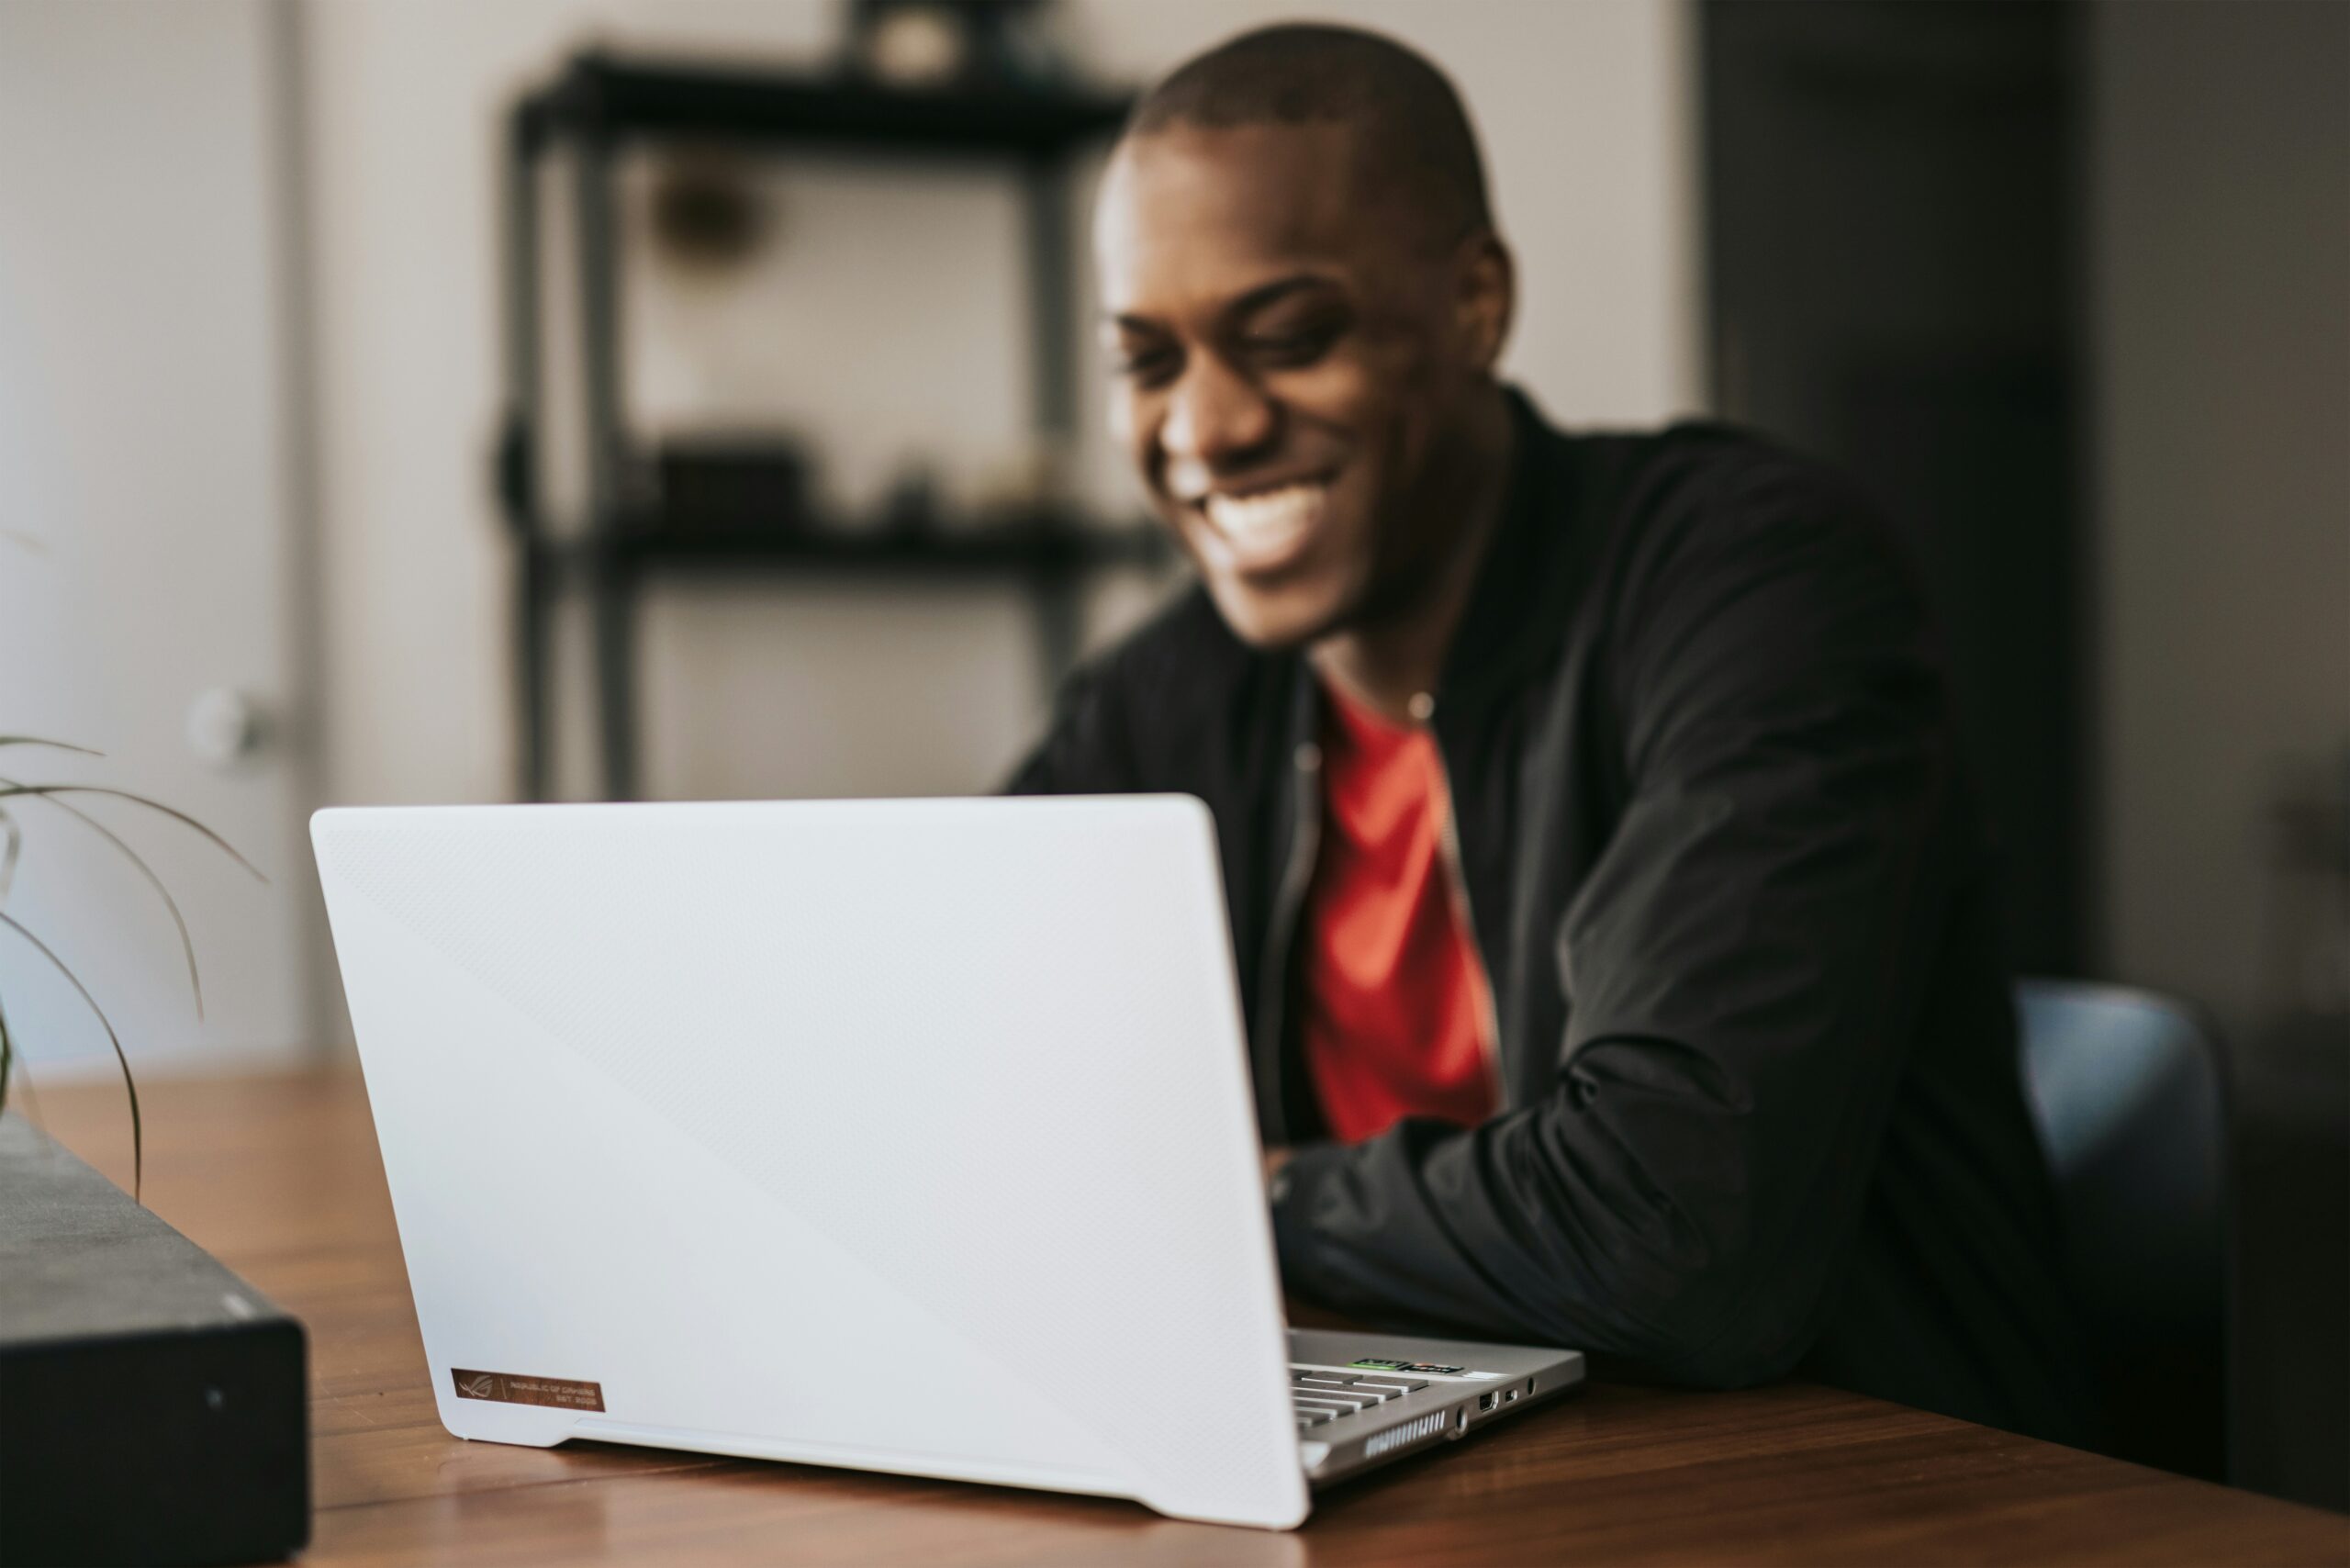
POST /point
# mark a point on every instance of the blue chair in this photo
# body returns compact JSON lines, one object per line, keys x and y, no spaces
{"x":2126,"y":1089}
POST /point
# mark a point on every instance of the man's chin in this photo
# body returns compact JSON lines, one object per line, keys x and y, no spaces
{"x":1277,"y":620}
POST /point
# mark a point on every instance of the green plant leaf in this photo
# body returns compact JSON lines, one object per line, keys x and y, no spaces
{"x":188,"y":943}
{"x":177,"y":815}
{"x":7,"y":1058}
{"x":54,"y":745}
{"x":20,"y":1075}
{"x":138,"y":1132}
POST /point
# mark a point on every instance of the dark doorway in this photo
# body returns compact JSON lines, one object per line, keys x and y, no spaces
{"x":1892,"y":271}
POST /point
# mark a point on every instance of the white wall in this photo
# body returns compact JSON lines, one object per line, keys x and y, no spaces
{"x":2220,"y":167}
{"x":148,"y":482}
{"x":884,"y":327}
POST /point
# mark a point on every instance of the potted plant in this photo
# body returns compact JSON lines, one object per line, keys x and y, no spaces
{"x":54,"y":794}
{"x":153,"y":1406}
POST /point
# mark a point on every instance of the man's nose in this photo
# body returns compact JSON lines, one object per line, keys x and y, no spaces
{"x":1213,"y":416}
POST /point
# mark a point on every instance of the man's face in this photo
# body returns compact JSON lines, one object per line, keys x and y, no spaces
{"x":1291,"y":356}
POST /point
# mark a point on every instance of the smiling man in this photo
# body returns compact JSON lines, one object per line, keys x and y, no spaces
{"x":1610,"y":908}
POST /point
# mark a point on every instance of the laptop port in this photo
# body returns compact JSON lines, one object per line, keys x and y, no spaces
{"x":1508,"y":1399}
{"x":1486,"y":1402}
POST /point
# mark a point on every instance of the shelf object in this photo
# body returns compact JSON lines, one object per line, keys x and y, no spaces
{"x":596,"y":108}
{"x":1044,"y":546}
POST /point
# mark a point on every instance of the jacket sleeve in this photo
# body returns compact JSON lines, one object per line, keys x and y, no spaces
{"x":1743,"y":969}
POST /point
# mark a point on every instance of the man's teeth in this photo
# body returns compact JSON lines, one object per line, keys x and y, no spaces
{"x":1268,"y":519}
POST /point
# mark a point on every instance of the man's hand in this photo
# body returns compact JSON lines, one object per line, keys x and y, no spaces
{"x":1275,"y":1160}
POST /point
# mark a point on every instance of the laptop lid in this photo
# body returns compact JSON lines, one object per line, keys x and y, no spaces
{"x":906,"y":1135}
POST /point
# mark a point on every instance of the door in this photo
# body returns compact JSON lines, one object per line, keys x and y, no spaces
{"x":1892,"y":260}
{"x":146,"y":491}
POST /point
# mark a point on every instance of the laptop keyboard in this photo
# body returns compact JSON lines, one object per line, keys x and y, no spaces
{"x":1320,"y":1395}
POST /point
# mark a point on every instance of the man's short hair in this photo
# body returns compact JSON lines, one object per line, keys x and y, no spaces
{"x":1413,"y":127}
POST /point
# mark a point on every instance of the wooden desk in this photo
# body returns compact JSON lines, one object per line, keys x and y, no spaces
{"x":279,"y":1178}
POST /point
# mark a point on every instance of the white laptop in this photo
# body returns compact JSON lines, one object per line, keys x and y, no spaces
{"x":905,"y":1136}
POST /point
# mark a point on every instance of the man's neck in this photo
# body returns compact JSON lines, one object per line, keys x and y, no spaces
{"x":1391,"y":663}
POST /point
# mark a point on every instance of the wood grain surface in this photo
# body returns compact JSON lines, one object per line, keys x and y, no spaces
{"x":278,"y":1176}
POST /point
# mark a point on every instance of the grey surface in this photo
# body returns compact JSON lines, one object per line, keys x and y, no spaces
{"x":1335,"y":1347}
{"x":80,"y":1260}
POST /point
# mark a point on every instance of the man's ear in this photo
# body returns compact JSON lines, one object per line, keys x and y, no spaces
{"x":1486,"y":296}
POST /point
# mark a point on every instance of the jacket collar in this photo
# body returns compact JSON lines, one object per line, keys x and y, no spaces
{"x":1515,"y":611}
{"x":1512,"y":616}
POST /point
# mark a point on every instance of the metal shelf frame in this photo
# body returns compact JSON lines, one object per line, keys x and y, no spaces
{"x":596,"y":108}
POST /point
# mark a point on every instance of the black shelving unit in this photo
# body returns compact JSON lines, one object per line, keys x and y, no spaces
{"x":598,"y":107}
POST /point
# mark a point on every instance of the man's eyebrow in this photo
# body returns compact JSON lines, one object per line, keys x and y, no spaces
{"x":1255,"y":300}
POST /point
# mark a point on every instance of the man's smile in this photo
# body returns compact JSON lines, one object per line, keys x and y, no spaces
{"x":1264,"y":528}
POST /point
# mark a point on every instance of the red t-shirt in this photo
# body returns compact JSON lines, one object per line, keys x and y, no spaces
{"x":1395,"y":1010}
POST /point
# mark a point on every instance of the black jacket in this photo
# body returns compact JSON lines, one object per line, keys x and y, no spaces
{"x":1762,"y":1108}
